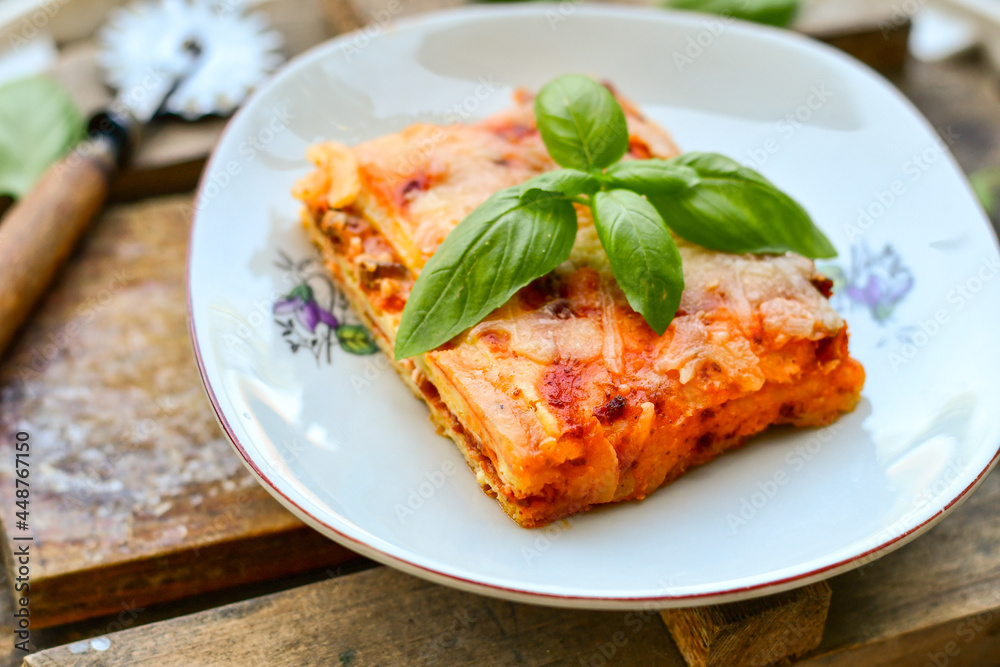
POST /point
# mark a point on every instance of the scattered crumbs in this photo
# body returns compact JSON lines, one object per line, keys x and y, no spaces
{"x":196,"y":499}
{"x":228,"y":485}
{"x":100,"y":643}
{"x":347,"y":657}
{"x":162,"y":509}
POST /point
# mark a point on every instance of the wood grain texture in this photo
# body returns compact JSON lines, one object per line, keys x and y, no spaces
{"x":933,"y":602}
{"x":752,"y":633}
{"x":41,"y":230}
{"x":136,"y":494}
{"x":383,"y":617}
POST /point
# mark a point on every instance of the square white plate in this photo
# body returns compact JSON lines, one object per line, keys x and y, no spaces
{"x":339,"y":440}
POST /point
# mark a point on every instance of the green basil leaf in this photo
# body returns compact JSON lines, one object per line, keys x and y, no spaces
{"x":651,"y":177}
{"x":581,"y":123}
{"x":734,"y":209}
{"x":644,"y":257}
{"x":570,"y":182}
{"x":508,"y":241}
{"x":39,"y":123}
{"x":770,"y":12}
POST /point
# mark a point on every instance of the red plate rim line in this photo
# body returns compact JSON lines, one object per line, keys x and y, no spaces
{"x":496,"y":590}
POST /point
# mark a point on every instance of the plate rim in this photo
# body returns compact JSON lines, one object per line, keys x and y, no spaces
{"x":521,"y":594}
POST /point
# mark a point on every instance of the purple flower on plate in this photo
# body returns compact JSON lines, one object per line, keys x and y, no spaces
{"x":876,"y":280}
{"x":302,"y":302}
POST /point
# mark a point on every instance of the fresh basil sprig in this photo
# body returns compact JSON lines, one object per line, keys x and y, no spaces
{"x":522,"y":233}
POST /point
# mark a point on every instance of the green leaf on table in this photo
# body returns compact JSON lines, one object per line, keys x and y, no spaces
{"x":986,"y":185}
{"x":39,"y":123}
{"x":509,"y":240}
{"x":581,"y":123}
{"x":734,"y":209}
{"x":643,"y":255}
{"x":770,"y":12}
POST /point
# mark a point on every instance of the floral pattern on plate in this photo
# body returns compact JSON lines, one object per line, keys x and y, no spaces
{"x":314,"y":315}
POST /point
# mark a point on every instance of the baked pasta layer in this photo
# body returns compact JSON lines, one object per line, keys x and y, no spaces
{"x":565,"y":398}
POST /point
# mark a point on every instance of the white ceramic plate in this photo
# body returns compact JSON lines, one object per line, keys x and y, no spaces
{"x":338,"y":439}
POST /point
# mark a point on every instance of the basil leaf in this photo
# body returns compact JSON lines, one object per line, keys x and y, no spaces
{"x":581,"y":123}
{"x":735,"y":209}
{"x":651,"y":177}
{"x":769,"y":12}
{"x":570,"y":182}
{"x":508,"y":241}
{"x":644,"y":257}
{"x":39,"y":123}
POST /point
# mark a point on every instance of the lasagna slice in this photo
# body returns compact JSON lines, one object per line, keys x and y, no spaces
{"x":564,"y":398}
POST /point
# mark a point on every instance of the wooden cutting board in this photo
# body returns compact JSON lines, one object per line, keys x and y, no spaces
{"x":136,"y":495}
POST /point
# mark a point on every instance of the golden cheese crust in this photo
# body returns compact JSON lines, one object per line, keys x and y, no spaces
{"x":565,"y":398}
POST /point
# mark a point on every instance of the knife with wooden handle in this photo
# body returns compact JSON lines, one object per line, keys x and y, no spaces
{"x":40,"y":231}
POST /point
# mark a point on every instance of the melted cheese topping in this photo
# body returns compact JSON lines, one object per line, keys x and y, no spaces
{"x":566,"y":391}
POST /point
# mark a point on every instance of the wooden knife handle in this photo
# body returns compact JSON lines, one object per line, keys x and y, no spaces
{"x":40,"y":231}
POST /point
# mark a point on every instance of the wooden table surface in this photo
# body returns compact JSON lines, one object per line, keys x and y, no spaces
{"x":155,"y":547}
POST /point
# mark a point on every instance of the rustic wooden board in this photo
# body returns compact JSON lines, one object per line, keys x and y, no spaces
{"x":133,"y":484}
{"x":382,"y":617}
{"x":935,"y":599}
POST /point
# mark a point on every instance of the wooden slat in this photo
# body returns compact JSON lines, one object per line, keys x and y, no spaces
{"x":133,"y":484}
{"x":937,"y":598}
{"x":382,"y":617}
